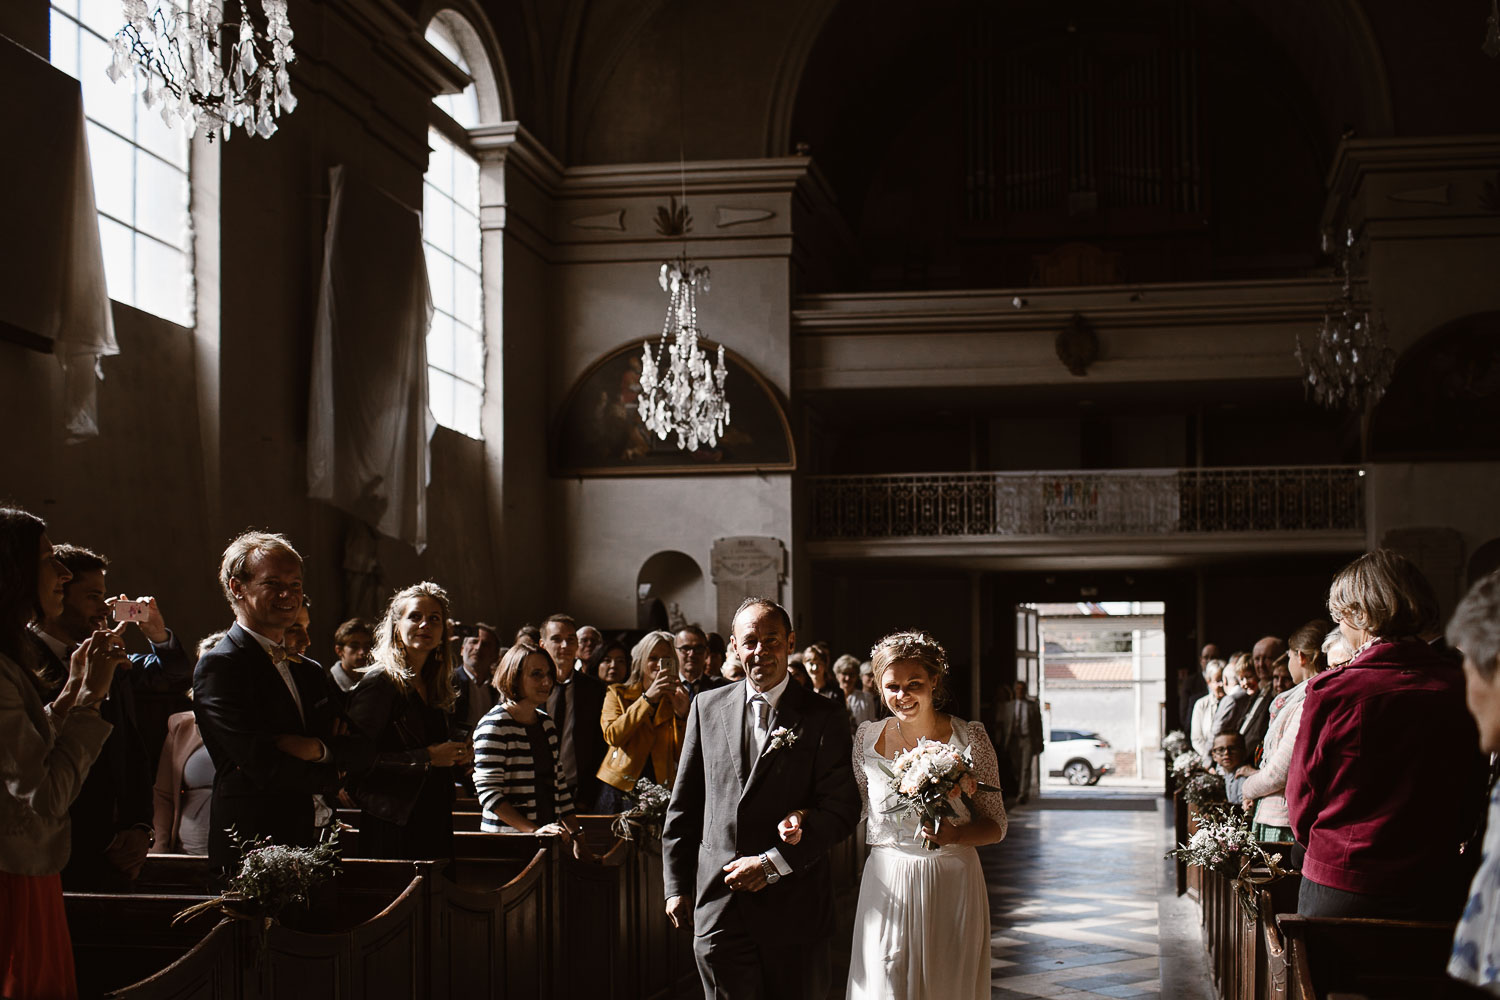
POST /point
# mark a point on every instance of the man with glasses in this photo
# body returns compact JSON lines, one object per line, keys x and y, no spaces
{"x":692,"y":655}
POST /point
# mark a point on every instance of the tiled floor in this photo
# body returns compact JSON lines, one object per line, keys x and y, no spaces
{"x":1073,"y":905}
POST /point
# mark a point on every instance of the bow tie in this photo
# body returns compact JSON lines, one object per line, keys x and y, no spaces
{"x":278,"y":655}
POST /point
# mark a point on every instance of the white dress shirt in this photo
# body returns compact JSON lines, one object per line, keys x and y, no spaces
{"x":757,"y":736}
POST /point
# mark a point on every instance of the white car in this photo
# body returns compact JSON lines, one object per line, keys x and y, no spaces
{"x":1080,"y":755}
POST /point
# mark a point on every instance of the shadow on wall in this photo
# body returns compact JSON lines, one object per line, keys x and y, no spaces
{"x":669,"y":591}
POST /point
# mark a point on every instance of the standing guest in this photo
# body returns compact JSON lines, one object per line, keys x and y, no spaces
{"x":575,"y":707}
{"x":643,"y":722}
{"x":1026,"y":741}
{"x":1263,"y":655}
{"x":733,"y":669}
{"x":1475,"y":630}
{"x":799,"y":673}
{"x":716,"y":654}
{"x":692,"y":657}
{"x":590,"y":640}
{"x":856,"y":699}
{"x":45,"y":753}
{"x":517,"y":764}
{"x":1265,"y":788}
{"x":867,"y":681}
{"x":184,"y":782}
{"x":473,"y":679}
{"x":1336,"y":649}
{"x":1281,"y":678}
{"x":1387,"y":793}
{"x":529,"y":633}
{"x":1201,"y":727}
{"x":1235,"y":710}
{"x":297,"y":640}
{"x":820,"y":674}
{"x":1002,"y":738}
{"x":112,"y":815}
{"x":406,"y":797}
{"x":269,"y":721}
{"x":1228,"y":756}
{"x":614,"y":661}
{"x":1192,"y":685}
{"x":351,"y":654}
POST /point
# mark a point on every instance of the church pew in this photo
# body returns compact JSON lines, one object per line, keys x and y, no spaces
{"x":493,"y":929}
{"x":121,"y":939}
{"x":1375,"y":959}
{"x":1234,"y":939}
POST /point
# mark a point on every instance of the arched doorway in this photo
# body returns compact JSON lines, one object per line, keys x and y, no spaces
{"x":669,"y":591}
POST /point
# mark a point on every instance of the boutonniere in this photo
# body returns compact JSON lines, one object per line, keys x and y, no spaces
{"x":780,"y":738}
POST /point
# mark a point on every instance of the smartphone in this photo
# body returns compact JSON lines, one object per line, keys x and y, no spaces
{"x":462,"y":631}
{"x":129,"y":611}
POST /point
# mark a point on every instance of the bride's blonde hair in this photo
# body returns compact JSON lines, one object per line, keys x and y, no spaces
{"x":918,"y":647}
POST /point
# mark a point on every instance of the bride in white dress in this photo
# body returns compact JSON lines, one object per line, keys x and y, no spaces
{"x":922,"y":926}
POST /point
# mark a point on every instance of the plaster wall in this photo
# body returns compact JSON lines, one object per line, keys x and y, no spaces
{"x":1458,"y":496}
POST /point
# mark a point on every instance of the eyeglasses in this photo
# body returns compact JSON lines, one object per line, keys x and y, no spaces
{"x":1216,"y":751}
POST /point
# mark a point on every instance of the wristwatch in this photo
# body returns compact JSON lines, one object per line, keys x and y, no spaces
{"x":772,"y":875}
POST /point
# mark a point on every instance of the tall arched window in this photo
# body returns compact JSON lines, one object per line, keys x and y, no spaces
{"x":140,"y":168}
{"x":451,"y":237}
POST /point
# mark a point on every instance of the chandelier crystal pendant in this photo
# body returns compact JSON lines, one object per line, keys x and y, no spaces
{"x":1348,"y":363}
{"x":681,"y":392}
{"x":211,"y":73}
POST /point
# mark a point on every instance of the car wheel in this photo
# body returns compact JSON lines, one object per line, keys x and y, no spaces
{"x":1078,"y":772}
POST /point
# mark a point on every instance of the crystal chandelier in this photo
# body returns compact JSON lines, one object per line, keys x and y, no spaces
{"x":1348,"y":363}
{"x":680,"y":392}
{"x":213,"y":74}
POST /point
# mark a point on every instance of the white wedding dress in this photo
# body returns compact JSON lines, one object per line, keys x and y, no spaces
{"x":922,"y":925}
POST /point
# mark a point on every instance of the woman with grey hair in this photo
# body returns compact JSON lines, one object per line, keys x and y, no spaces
{"x":1381,"y":789}
{"x":1475,"y":630}
{"x":861,"y":703}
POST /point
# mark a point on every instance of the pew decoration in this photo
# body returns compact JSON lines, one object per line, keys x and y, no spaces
{"x":1200,"y":785}
{"x":647,"y":812}
{"x":1223,"y":845}
{"x":271,"y":878}
{"x":1175,"y":744}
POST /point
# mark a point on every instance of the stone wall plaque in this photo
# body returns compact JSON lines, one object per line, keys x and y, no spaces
{"x":746,"y":566}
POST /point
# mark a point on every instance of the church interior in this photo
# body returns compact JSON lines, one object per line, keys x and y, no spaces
{"x":1021,"y":303}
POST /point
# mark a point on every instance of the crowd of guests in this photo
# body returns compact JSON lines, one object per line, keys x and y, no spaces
{"x":1370,"y":743}
{"x":1352,"y":738}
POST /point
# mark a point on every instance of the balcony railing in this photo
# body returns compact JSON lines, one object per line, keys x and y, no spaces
{"x":1099,"y":502}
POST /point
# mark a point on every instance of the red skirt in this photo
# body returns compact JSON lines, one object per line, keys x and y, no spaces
{"x":36,"y":952}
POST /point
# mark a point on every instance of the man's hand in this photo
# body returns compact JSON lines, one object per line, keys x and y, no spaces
{"x":154,"y":627}
{"x":1245,"y":771}
{"x":302,"y":747}
{"x":679,"y":911}
{"x":790,"y":828}
{"x":745,"y":875}
{"x":128,"y":851}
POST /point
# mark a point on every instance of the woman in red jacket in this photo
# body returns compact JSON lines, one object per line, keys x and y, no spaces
{"x":1386,"y":781}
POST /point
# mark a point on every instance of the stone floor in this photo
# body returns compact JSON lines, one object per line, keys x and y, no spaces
{"x":1073,"y":897}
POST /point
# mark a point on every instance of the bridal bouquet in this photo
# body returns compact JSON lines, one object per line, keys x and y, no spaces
{"x":934,"y":781}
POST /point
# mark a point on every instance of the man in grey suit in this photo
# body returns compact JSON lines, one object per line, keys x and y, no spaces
{"x":756,"y":755}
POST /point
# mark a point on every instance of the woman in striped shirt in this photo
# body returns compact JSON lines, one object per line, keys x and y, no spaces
{"x":517,"y":770}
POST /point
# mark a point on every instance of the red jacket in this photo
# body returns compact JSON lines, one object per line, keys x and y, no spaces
{"x":1386,"y":780}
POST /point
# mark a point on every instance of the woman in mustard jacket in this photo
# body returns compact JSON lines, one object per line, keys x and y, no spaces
{"x":643,"y":722}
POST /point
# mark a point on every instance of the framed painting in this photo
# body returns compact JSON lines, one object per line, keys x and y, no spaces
{"x":599,"y":431}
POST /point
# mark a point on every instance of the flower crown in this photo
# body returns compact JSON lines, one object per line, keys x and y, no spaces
{"x":913,"y":645}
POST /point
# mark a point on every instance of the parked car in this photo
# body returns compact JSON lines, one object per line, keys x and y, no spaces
{"x":1080,"y":755}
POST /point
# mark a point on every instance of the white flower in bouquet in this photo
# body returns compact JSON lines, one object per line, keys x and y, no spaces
{"x":934,"y":782}
{"x":1186,"y":763}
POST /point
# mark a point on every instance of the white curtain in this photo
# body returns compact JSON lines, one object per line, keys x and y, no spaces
{"x":52,"y":282}
{"x":369,"y":429}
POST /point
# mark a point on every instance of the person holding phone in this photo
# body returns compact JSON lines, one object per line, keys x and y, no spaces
{"x":644,"y":720}
{"x":406,"y":797}
{"x":46,"y":750}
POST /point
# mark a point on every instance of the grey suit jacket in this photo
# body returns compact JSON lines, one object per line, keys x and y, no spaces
{"x":721,"y":809}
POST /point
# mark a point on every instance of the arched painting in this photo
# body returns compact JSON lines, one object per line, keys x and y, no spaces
{"x":599,"y":431}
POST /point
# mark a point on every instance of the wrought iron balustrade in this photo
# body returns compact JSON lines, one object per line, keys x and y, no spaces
{"x":1096,"y":502}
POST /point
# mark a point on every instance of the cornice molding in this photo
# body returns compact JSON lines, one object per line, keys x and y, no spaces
{"x":396,"y":36}
{"x":1357,"y":160}
{"x":1118,"y":306}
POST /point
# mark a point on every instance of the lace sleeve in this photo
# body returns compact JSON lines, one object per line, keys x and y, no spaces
{"x":991,"y":805}
{"x":860,"y":778}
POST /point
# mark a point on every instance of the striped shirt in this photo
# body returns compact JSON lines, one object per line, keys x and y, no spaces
{"x":505,"y":771}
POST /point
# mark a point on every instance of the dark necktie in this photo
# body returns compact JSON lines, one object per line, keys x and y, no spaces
{"x":563,"y":720}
